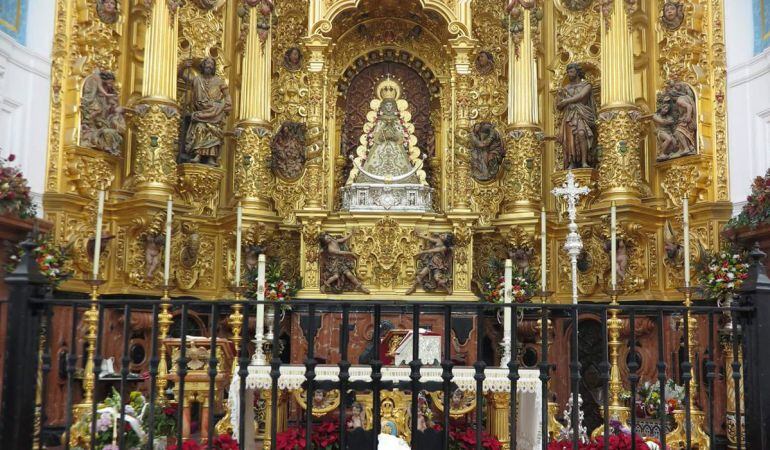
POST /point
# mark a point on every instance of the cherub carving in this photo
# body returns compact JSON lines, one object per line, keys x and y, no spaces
{"x":672,"y":15}
{"x":338,"y":265}
{"x":153,"y":245}
{"x":435,"y":264}
{"x":292,"y":59}
{"x":621,"y":257}
{"x":485,"y":63}
{"x":251,"y":256}
{"x":487,"y":151}
{"x":288,"y":150}
{"x":107,"y":10}
{"x":671,"y":245}
{"x":521,"y":257}
{"x":358,"y":416}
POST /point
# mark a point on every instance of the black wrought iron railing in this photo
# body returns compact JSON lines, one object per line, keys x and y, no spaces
{"x":196,"y":372}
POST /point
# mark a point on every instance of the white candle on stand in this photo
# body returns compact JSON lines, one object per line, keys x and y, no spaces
{"x":238,"y":226}
{"x":507,"y":285}
{"x":686,"y":231}
{"x":260,"y":296}
{"x":543,"y":250}
{"x":614,"y":246}
{"x":167,"y":249}
{"x":98,"y":238}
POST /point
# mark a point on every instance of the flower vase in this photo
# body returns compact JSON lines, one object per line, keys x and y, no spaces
{"x":270,"y":322}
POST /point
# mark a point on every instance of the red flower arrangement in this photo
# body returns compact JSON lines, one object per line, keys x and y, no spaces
{"x":324,"y":435}
{"x":757,"y":208}
{"x":51,"y":259}
{"x":15,"y":198}
{"x":462,"y":436}
{"x":221,"y":442}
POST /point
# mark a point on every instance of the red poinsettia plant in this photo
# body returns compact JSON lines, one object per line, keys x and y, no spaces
{"x":757,"y":208}
{"x":221,"y":442}
{"x":462,"y":436}
{"x":324,"y":436}
{"x":619,"y":439}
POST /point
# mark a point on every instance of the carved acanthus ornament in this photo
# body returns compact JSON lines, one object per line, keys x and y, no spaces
{"x":522,"y":179}
{"x":157,"y":129}
{"x":684,"y":181}
{"x":620,"y":136}
{"x":252,"y":173}
{"x":311,"y":252}
{"x":386,"y":251}
{"x":200,"y":31}
{"x":463,"y":255}
{"x":199,"y":186}
{"x":86,"y":174}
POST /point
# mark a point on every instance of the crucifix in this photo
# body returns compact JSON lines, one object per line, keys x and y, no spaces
{"x":574,"y":245}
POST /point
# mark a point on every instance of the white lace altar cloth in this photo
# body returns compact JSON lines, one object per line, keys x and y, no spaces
{"x":430,"y":350}
{"x":528,"y":391}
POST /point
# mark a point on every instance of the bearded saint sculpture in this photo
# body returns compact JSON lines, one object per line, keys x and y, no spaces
{"x":209,"y":106}
{"x":102,"y":118}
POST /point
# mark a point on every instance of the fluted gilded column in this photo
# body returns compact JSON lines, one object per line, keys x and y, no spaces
{"x":157,"y":117}
{"x":524,"y":140}
{"x":620,"y":130}
{"x":252,"y":150}
{"x":314,"y":185}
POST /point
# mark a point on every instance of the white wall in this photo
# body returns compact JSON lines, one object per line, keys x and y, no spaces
{"x":748,"y":102}
{"x":25,"y":74}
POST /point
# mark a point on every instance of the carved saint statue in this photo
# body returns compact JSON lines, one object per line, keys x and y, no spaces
{"x":675,"y":121}
{"x":107,"y":10}
{"x":210,"y":105}
{"x":672,"y":15}
{"x":434,"y":269}
{"x":102,"y":123}
{"x":577,"y":135}
{"x":487,"y":151}
{"x":521,"y":258}
{"x":190,"y":249}
{"x":338,"y":265}
{"x":288,"y":150}
{"x":153,"y":246}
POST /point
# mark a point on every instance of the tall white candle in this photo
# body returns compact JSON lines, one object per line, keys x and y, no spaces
{"x":508,"y":284}
{"x":686,"y":231}
{"x":543,"y":264}
{"x":260,"y":295}
{"x":98,"y":238}
{"x":614,"y":246}
{"x":238,"y":230}
{"x":167,"y":248}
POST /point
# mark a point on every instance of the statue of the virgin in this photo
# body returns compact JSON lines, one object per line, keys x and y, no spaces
{"x":388,"y":169}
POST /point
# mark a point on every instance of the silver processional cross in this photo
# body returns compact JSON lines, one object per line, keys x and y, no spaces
{"x":571,"y":192}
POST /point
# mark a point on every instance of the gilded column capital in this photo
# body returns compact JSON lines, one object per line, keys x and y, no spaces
{"x":317,"y":46}
{"x":156,"y":125}
{"x":620,"y":165}
{"x":463,"y":47}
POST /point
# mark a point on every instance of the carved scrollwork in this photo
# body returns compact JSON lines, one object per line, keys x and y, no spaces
{"x":157,"y":132}
{"x":87,"y":174}
{"x":199,"y":187}
{"x":144,"y":243}
{"x":620,"y":134}
{"x":192,"y":255}
{"x":385,"y":251}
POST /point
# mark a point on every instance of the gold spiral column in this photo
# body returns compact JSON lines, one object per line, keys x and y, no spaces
{"x":252,"y":174}
{"x":156,"y":121}
{"x":620,"y":130}
{"x":524,"y":159}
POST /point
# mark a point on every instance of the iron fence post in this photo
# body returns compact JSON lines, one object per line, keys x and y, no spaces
{"x":23,"y":334}
{"x":755,"y":293}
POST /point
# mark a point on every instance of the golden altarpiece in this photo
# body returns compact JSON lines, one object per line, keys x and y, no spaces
{"x":287,"y":106}
{"x":302,"y":74}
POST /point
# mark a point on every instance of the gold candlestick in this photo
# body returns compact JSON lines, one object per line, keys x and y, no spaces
{"x":165,"y":320}
{"x":91,"y":321}
{"x":617,"y":409}
{"x":678,"y":436}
